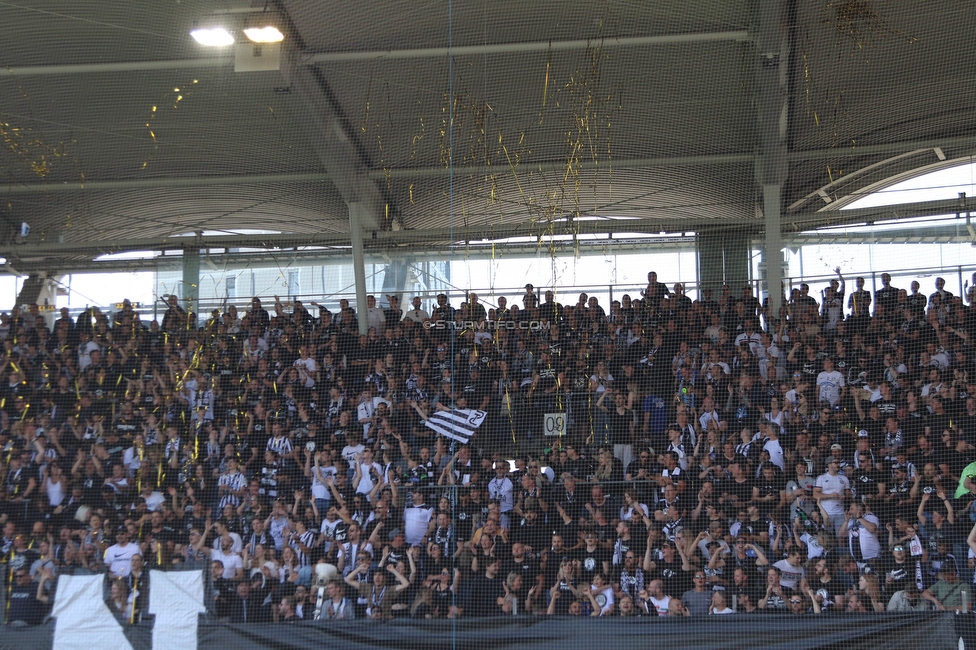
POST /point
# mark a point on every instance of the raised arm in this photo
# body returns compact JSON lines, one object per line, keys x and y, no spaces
{"x":650,"y":565}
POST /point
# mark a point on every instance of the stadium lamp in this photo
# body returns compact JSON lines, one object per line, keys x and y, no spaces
{"x":212,"y":35}
{"x":263,"y":28}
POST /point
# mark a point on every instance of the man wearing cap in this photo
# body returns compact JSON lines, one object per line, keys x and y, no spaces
{"x":831,"y":490}
{"x":949,"y":593}
{"x":502,"y":489}
{"x":118,"y":557}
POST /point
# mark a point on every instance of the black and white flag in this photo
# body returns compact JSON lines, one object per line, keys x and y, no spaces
{"x":457,"y":425}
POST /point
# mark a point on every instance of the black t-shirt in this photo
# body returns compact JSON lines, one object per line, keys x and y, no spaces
{"x":865,"y":482}
{"x":591,"y":562}
{"x":464,"y":520}
{"x":620,"y":424}
{"x":623,"y":546}
{"x":675,"y":580}
{"x":527,"y":567}
{"x":902,"y":574}
{"x":23,"y":604}
{"x":741,"y":490}
{"x":770,"y":487}
{"x":776,"y":604}
{"x":484,"y":595}
{"x":536,"y":536}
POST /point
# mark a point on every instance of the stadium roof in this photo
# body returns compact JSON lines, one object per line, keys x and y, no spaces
{"x":465,"y":119}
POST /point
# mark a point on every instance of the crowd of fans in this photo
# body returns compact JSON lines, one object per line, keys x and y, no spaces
{"x":717,"y":458}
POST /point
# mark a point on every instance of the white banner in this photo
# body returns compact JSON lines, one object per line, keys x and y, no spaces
{"x":176,"y":598}
{"x":83,"y":619}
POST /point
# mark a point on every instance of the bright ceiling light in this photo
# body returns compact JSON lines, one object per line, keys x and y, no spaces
{"x":212,"y":36}
{"x":266,"y":34}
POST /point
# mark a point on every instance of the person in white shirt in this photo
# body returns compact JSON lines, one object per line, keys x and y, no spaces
{"x":118,"y":557}
{"x":655,"y":596}
{"x":751,"y":337}
{"x":85,"y":348}
{"x":352,"y":451}
{"x":502,"y":490}
{"x":830,"y":382}
{"x":719,"y":606}
{"x":791,"y":569}
{"x":710,"y":414}
{"x":134,"y":456}
{"x":860,"y":526}
{"x":368,"y":473}
{"x":307,"y":366}
{"x":416,"y":519}
{"x":224,"y":553}
{"x":416,"y":314}
{"x":770,"y":431}
{"x":153,"y":498}
{"x":375,"y":317}
{"x":830,"y":490}
{"x":369,"y":413}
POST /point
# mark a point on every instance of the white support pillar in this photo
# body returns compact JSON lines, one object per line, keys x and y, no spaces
{"x":772,"y":207}
{"x":191,"y":283}
{"x":358,"y":263}
{"x":774,"y":45}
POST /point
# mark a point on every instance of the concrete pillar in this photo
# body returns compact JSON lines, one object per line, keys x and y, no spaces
{"x":358,"y":263}
{"x":191,"y":283}
{"x":772,"y":207}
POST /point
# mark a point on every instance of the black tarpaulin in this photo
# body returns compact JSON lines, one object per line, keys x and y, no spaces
{"x":923,"y":630}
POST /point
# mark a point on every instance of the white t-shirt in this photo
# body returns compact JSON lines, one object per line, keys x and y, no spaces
{"x":814,"y":549}
{"x":858,"y":534}
{"x":366,"y":483}
{"x":154,"y":500}
{"x":662,"y":606}
{"x":754,"y":340}
{"x":833,"y":486}
{"x":366,"y":410}
{"x":415,"y":521}
{"x":349,"y":452}
{"x":830,"y":384}
{"x":231,"y":562}
{"x":319,"y":489}
{"x":604,"y":599}
{"x":791,"y":575}
{"x":503,"y":490}
{"x":775,"y":453}
{"x":119,"y":558}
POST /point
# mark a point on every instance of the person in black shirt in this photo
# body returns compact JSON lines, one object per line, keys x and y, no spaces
{"x":23,"y":603}
{"x":593,"y":558}
{"x":867,"y":483}
{"x":487,"y":590}
{"x":245,"y":607}
{"x":669,"y":568}
{"x":769,"y":490}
